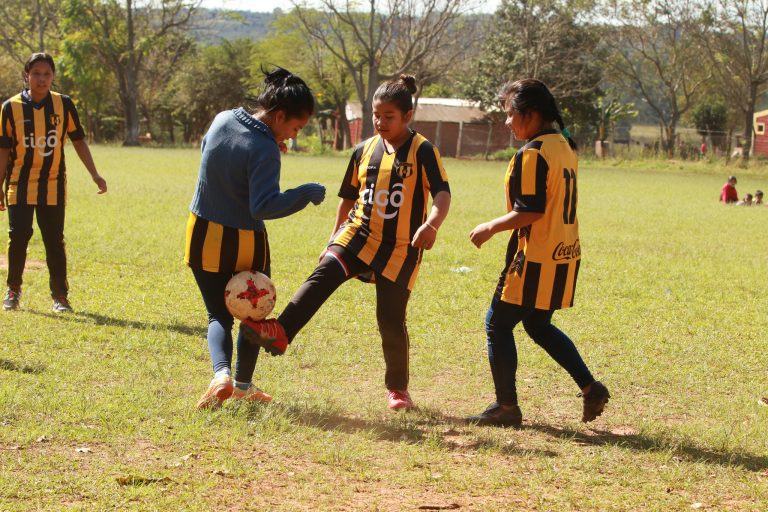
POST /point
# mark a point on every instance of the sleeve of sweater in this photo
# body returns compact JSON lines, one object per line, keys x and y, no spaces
{"x":266,"y":200}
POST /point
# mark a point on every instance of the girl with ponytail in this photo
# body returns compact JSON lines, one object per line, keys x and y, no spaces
{"x":237,"y":189}
{"x":543,"y":255}
{"x":383,"y":224}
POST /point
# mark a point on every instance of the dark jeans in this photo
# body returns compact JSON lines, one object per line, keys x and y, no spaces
{"x":391,"y":305}
{"x":220,"y":321}
{"x":502,"y":354}
{"x":50,"y":220}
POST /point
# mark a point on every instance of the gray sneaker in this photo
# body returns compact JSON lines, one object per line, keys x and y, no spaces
{"x":61,"y":305}
{"x":11,"y":300}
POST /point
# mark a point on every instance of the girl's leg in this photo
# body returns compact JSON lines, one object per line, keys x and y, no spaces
{"x":50,"y":220}
{"x":391,"y":305}
{"x":558,"y":345}
{"x":20,"y":218}
{"x":336,"y":267}
{"x":500,"y":322}
{"x":220,"y":321}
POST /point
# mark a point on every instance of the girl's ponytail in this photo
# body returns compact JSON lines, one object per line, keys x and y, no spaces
{"x":282,"y":90}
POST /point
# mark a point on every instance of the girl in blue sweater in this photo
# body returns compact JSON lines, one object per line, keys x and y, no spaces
{"x":238,"y":187}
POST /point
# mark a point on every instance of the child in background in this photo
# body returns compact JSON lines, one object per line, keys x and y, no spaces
{"x":543,"y":255}
{"x":237,"y":189}
{"x":747,"y":201}
{"x":758,"y":198}
{"x":728,"y":193}
{"x":381,"y":230}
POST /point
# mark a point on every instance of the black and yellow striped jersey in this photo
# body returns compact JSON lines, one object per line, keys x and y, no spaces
{"x":216,"y":248}
{"x":543,"y":259}
{"x":392,"y":196}
{"x":35,"y":134}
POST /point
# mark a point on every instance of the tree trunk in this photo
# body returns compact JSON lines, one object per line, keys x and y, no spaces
{"x":367,"y":106}
{"x":748,"y":115}
{"x":130,"y":101}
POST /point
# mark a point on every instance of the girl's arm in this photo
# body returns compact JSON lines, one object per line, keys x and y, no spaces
{"x":427,"y":234}
{"x":5,"y":154}
{"x":341,"y":214}
{"x":81,"y":147}
{"x":513,"y":220}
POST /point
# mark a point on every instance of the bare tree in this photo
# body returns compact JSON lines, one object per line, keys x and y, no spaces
{"x":734,"y":36}
{"x":654,"y":51}
{"x":120,"y":37}
{"x":382,"y":41}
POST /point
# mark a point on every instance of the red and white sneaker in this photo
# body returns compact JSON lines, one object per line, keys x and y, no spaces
{"x":218,"y":390}
{"x":399,"y":399}
{"x":252,"y":394}
{"x":269,"y":334}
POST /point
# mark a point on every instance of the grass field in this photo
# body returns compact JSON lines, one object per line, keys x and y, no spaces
{"x":96,"y":408}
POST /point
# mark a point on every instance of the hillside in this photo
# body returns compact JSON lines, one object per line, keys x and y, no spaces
{"x":214,"y":25}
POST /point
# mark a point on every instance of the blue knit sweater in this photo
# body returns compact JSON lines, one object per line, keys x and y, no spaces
{"x":239,"y":181}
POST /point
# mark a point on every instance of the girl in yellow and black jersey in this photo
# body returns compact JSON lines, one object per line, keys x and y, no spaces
{"x":543,"y":254}
{"x":34,"y":125}
{"x":383,"y":225}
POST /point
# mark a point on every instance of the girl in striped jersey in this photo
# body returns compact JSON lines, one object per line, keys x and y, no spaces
{"x":34,"y":125}
{"x":237,"y":189}
{"x":382,"y":227}
{"x":543,"y":254}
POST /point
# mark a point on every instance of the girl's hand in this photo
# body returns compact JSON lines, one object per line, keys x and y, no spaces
{"x":283,"y":147}
{"x":481,"y":234}
{"x":101,"y":183}
{"x":425,"y":237}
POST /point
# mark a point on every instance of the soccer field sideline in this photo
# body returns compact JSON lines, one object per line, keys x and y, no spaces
{"x":669,"y":312}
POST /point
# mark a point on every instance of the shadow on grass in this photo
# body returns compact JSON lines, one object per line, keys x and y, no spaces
{"x":98,"y":319}
{"x":417,"y":427}
{"x":640,"y":442}
{"x":13,"y":366}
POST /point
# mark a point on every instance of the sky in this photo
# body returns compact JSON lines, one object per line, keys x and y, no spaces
{"x":270,"y":5}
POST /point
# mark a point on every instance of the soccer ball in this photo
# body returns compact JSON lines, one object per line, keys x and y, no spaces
{"x":250,"y":294}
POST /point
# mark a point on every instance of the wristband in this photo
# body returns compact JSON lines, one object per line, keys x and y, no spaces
{"x":431,"y":226}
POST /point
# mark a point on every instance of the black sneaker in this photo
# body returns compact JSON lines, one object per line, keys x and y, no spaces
{"x":594,"y":401}
{"x":61,"y":305}
{"x":496,"y":416}
{"x":11,"y":300}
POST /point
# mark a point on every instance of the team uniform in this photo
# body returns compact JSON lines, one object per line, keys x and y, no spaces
{"x":391,"y":193}
{"x":36,"y":179}
{"x":542,"y":262}
{"x":213,"y":247}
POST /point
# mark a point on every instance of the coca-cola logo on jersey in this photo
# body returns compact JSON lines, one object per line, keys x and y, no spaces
{"x":567,"y":252}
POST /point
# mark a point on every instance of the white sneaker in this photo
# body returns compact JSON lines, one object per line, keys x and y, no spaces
{"x":252,"y":394}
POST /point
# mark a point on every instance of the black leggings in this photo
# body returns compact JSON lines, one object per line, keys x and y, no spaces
{"x":336,"y":267}
{"x":50,"y":220}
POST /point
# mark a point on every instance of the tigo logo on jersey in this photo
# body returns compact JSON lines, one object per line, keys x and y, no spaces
{"x":383,"y":198}
{"x":42,"y":143}
{"x":567,"y":252}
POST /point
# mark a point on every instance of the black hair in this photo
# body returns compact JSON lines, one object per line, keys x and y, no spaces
{"x":759,"y":193}
{"x":529,"y":94}
{"x":400,"y":92}
{"x":282,"y":90}
{"x":37,"y":57}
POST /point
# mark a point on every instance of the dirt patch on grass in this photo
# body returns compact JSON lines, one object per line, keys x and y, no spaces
{"x":29,"y":265}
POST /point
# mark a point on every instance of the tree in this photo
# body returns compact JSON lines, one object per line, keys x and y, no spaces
{"x":541,"y":39}
{"x":734,"y":37}
{"x":710,"y":117}
{"x":120,"y":36}
{"x":375,"y":45}
{"x":654,"y":51}
{"x":611,"y":111}
{"x":29,"y":26}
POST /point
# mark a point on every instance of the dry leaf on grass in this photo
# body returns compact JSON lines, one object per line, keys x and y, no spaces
{"x":141,"y":480}
{"x":84,"y":449}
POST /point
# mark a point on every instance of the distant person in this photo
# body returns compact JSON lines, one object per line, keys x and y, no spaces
{"x":747,"y":201}
{"x":238,"y":187}
{"x":34,"y":125}
{"x":758,"y":198}
{"x":728,"y":193}
{"x":383,"y":225}
{"x":543,"y":254}
{"x":703,"y":149}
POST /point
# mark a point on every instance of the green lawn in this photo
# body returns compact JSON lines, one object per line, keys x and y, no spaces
{"x":96,"y":408}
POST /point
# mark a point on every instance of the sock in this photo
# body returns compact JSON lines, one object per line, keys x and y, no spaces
{"x":221,"y":373}
{"x":242,"y":385}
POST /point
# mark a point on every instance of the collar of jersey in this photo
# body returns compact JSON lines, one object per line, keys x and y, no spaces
{"x":251,"y":122}
{"x":28,"y":99}
{"x":407,"y":141}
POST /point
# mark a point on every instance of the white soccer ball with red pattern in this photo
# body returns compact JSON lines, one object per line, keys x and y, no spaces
{"x":250,"y":294}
